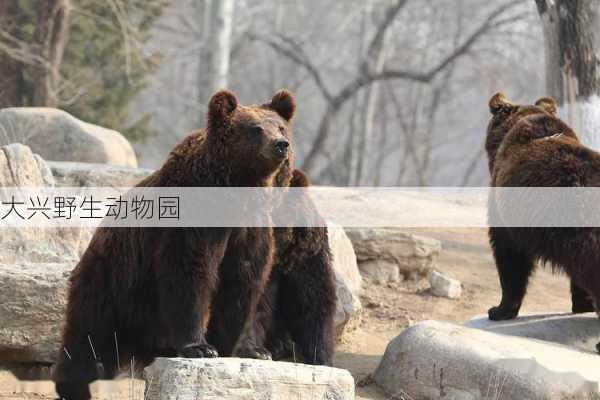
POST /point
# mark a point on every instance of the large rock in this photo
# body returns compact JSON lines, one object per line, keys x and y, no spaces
{"x":32,"y":306}
{"x":348,"y":281}
{"x":76,"y":174}
{"x":436,"y":360}
{"x":58,"y":136}
{"x":20,"y":167}
{"x":390,"y":255}
{"x":237,"y":379}
{"x":581,"y":331}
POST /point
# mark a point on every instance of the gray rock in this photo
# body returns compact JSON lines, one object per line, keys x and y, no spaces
{"x":32,"y":305}
{"x":390,"y":255}
{"x":77,"y":174}
{"x":237,"y":379}
{"x":58,"y":136}
{"x":443,"y":286}
{"x":580,"y":331}
{"x":20,"y":167}
{"x":437,"y":360}
{"x":347,"y":279}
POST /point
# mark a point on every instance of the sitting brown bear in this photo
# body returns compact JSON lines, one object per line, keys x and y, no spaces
{"x":529,"y":146}
{"x":147,"y":292}
{"x":295,"y":317}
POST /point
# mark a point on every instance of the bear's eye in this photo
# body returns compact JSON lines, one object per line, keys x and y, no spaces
{"x":281,"y":129}
{"x":256,"y":129}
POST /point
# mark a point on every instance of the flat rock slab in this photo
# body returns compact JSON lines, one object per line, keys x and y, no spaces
{"x":438,"y":360}
{"x":235,"y":378}
{"x":581,"y":331}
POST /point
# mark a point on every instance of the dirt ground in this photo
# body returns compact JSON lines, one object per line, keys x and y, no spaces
{"x":388,"y":309}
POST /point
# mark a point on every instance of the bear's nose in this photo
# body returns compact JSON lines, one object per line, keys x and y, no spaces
{"x":282,"y":145}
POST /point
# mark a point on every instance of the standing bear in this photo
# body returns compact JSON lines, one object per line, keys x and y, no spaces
{"x":528,"y":146}
{"x":147,"y":292}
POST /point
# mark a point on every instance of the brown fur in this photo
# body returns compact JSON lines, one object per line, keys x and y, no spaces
{"x":529,"y":146}
{"x":149,"y":290}
{"x":296,"y":313}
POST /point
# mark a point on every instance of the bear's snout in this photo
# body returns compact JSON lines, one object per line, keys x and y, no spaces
{"x":281,"y":146}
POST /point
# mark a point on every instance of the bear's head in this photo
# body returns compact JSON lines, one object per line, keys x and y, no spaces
{"x":536,"y":121}
{"x":254,"y":140}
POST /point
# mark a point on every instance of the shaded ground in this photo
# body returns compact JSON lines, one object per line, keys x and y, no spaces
{"x":387,"y":310}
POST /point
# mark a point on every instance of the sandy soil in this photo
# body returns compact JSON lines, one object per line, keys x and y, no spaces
{"x":388,"y":309}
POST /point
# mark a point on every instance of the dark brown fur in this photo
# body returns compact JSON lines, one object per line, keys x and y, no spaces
{"x":529,"y":146}
{"x":149,"y":290}
{"x":296,"y":313}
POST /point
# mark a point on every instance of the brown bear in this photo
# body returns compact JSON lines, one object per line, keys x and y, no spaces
{"x":298,"y":306}
{"x":145,"y":292}
{"x":529,"y":146}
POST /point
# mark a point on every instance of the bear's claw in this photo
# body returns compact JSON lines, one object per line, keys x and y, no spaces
{"x":258,"y":353}
{"x":197,"y":350}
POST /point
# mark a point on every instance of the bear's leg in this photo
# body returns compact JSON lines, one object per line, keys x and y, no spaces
{"x":307,"y":300}
{"x":75,"y":368}
{"x":514,"y":268}
{"x":186,"y":286}
{"x":182,"y":312}
{"x":271,"y":332}
{"x":233,"y":327}
{"x":581,"y":301}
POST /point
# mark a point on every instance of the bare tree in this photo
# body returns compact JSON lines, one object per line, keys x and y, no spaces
{"x":573,"y":57}
{"x":367,"y":75}
{"x":43,"y":55}
{"x":51,"y":35}
{"x":218,"y":28}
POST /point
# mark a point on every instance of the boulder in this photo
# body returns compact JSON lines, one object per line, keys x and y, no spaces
{"x":20,"y":167}
{"x":390,"y":255}
{"x":78,"y":174}
{"x":58,"y":136}
{"x":581,"y":331}
{"x":347,"y":279}
{"x":237,"y":379}
{"x":443,"y":286}
{"x":32,"y":305}
{"x":437,"y":360}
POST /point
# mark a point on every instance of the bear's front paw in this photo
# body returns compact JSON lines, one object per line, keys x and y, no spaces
{"x":582,"y":308}
{"x":500,"y":313}
{"x":198,"y":350}
{"x":258,"y":353}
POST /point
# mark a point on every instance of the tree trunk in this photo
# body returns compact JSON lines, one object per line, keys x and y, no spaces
{"x":11,"y":76}
{"x":219,"y":44}
{"x":50,"y":36}
{"x":572,"y":44}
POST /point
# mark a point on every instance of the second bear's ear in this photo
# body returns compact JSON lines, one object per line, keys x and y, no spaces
{"x":547,"y":104}
{"x":299,"y":179}
{"x":498,"y":102}
{"x":220,"y":107}
{"x":284,"y":104}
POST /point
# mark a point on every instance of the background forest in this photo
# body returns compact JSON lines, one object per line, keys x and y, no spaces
{"x":390,"y":92}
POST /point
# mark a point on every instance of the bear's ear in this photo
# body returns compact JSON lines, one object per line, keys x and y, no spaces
{"x":299,"y":179}
{"x":498,"y":102}
{"x":284,"y":104}
{"x":220,"y":107}
{"x":547,"y":104}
